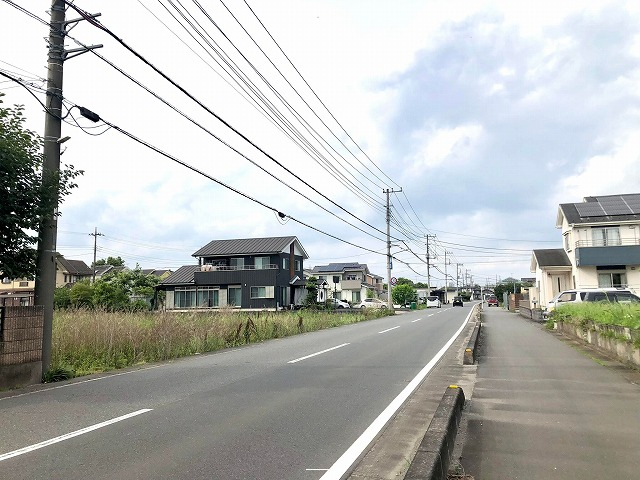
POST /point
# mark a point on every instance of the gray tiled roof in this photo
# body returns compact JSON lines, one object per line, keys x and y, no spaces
{"x":181,"y":276}
{"x":74,"y":267}
{"x":552,"y":257}
{"x":248,"y":246}
{"x":340,"y":267}
{"x":612,"y":205}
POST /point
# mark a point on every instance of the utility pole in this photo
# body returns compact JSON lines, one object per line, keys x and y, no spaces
{"x":429,"y":258}
{"x":458,"y":277}
{"x":446,"y":286}
{"x":389,"y":300}
{"x":95,"y":236}
{"x":47,"y":232}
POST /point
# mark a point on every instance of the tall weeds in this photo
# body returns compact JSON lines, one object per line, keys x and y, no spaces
{"x":90,"y":341}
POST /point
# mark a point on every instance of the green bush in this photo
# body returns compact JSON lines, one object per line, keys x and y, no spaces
{"x":605,"y":313}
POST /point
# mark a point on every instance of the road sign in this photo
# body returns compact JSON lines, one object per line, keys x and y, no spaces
{"x":394,"y":280}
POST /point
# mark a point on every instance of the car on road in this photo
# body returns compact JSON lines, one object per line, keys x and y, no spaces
{"x":371,"y":303}
{"x":492,"y":300}
{"x":433,"y":301}
{"x":457,"y":302}
{"x":337,"y":303}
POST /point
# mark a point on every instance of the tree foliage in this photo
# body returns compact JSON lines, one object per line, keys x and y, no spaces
{"x":120,"y":291}
{"x":28,"y":196}
{"x":403,"y":294}
{"x":113,"y":261}
{"x":312,"y":292}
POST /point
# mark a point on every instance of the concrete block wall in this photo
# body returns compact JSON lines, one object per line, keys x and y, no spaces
{"x":20,"y":345}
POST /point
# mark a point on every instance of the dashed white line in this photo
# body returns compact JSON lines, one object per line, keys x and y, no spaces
{"x":416,"y":320}
{"x":317,"y":353}
{"x":389,"y":329}
{"x":67,"y":436}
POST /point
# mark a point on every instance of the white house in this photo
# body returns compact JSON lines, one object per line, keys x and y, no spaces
{"x":601,"y":247}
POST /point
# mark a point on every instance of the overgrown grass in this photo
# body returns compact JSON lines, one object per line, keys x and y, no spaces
{"x":621,"y":314}
{"x":90,"y":341}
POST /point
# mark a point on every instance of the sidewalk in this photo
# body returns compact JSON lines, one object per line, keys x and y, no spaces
{"x":544,"y":410}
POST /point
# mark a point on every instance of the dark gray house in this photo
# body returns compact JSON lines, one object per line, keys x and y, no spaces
{"x":251,"y":273}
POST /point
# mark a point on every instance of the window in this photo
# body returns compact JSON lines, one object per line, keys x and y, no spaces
{"x":234,"y":296}
{"x":184,"y":297}
{"x":322,"y":278}
{"x":355,"y":297}
{"x":606,"y":236}
{"x":612,"y":279}
{"x":298,"y":265}
{"x":237,"y":263}
{"x":261,"y":263}
{"x":262,"y":292}
{"x":351,"y":276}
{"x":567,"y":297}
{"x":567,"y":243}
{"x":24,"y":284}
{"x":208,"y":297}
{"x":285,"y":264}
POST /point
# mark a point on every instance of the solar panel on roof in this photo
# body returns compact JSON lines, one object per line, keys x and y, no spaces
{"x":634,"y":202}
{"x":589,"y":209}
{"x":614,"y":205}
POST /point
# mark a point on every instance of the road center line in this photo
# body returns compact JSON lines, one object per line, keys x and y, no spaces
{"x":67,"y":436}
{"x":348,"y":458}
{"x":416,"y":320}
{"x":317,"y":353}
{"x":389,"y":329}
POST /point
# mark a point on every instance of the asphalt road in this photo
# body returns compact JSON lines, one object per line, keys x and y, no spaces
{"x":294,"y":408}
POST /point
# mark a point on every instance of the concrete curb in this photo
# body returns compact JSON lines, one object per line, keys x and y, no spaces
{"x":472,"y":346}
{"x":434,"y":453}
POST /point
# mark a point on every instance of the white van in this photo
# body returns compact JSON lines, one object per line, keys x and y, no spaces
{"x":433,"y":301}
{"x":593,"y":295}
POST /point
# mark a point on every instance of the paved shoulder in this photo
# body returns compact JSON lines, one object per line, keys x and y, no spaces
{"x":543,"y":410}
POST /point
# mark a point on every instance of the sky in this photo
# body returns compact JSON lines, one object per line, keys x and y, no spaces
{"x":479,"y":117}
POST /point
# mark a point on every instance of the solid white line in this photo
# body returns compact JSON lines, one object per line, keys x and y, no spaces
{"x":389,"y":329}
{"x":317,"y":353}
{"x":416,"y":320}
{"x":348,"y":458}
{"x":67,"y":436}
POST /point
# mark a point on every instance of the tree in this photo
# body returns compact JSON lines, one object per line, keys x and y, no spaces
{"x":311,"y":299}
{"x":27,"y":195}
{"x":403,"y":294}
{"x":113,"y":261}
{"x":404,"y":281}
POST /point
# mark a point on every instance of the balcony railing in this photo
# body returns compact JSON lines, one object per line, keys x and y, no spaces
{"x":607,"y":243}
{"x":217,"y":268}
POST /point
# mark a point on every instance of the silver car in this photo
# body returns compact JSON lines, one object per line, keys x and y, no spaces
{"x":371,"y":303}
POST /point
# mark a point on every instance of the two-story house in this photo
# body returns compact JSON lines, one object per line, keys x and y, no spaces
{"x":71,"y":271}
{"x":252,"y":273}
{"x":601,"y":247}
{"x":353,"y":280}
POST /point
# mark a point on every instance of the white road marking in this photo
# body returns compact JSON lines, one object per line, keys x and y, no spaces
{"x":67,"y":436}
{"x":353,"y":453}
{"x":318,"y":353}
{"x":417,"y":320}
{"x":389,"y":329}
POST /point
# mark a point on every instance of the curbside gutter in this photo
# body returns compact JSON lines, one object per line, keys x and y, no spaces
{"x":472,"y":346}
{"x":434,"y":453}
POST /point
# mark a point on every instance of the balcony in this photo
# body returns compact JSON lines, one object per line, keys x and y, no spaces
{"x":350,"y":284}
{"x":600,"y":253}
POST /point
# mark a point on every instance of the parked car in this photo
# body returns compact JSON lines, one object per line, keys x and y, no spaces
{"x":593,"y":295}
{"x":492,"y":300}
{"x":371,"y":303}
{"x":433,"y":301}
{"x":457,"y":302}
{"x":337,"y":303}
